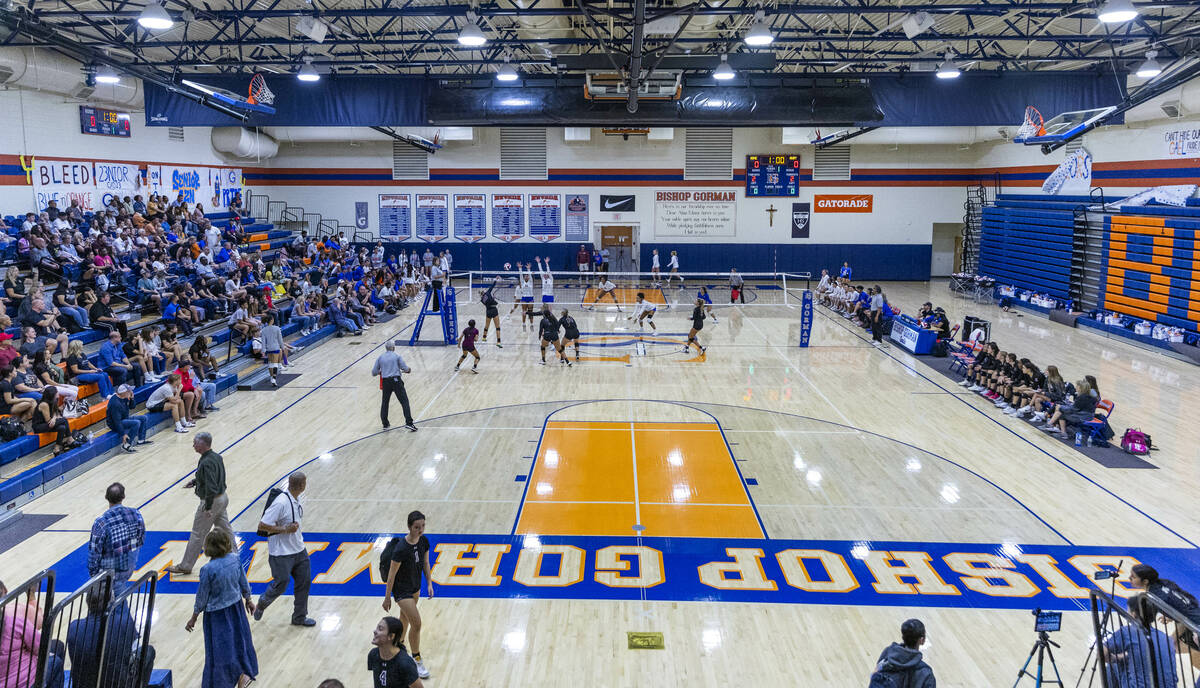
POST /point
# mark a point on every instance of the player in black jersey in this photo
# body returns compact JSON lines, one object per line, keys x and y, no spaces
{"x":548,"y":328}
{"x":491,"y":314}
{"x":697,"y":325}
{"x":570,"y":334}
{"x":410,"y":559}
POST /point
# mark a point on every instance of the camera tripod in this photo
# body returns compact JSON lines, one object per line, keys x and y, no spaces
{"x":1041,"y":647}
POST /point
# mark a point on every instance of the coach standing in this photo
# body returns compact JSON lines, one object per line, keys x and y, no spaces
{"x":388,"y":367}
{"x":209,"y":484}
{"x":117,"y":536}
{"x":286,"y":551}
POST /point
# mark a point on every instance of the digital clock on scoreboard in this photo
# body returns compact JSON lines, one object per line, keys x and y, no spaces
{"x":94,"y":120}
{"x":772,"y":175}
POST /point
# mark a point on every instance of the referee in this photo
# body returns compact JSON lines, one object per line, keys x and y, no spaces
{"x":388,"y":367}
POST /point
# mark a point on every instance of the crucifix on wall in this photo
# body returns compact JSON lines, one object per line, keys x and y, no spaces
{"x":771,"y":214}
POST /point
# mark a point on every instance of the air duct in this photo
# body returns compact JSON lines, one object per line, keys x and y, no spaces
{"x":244,"y":143}
{"x":41,"y":69}
{"x":1184,"y":101}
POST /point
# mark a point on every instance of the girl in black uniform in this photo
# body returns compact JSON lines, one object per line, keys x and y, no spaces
{"x":697,"y":325}
{"x":492,"y":314}
{"x":410,"y":558}
{"x":549,"y":334}
{"x":570,"y":334}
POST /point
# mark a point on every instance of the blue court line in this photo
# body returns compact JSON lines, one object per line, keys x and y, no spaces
{"x":283,"y":410}
{"x":537,"y":450}
{"x":1025,"y":440}
{"x":748,"y":408}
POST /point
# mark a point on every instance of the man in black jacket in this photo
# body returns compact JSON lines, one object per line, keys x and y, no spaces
{"x":902,"y":661}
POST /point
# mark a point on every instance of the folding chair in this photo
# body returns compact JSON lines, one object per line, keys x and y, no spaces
{"x":1095,"y":427}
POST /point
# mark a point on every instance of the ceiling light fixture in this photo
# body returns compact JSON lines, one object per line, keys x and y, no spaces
{"x":1146,"y":70}
{"x":1116,"y":11}
{"x":723,"y":72}
{"x":948,"y":69}
{"x":106,"y":75}
{"x":506,"y":71}
{"x":154,"y":17}
{"x":471,"y":35}
{"x":760,"y":32}
{"x":307,"y":71}
{"x":916,"y":24}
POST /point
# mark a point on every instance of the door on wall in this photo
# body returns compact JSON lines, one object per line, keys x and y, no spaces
{"x":622,"y":249}
{"x":941,"y":263}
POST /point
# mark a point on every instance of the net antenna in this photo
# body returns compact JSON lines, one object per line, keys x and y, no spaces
{"x":1033,"y":126}
{"x":258,"y":93}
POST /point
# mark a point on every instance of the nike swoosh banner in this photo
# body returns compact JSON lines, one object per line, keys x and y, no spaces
{"x":617,"y":204}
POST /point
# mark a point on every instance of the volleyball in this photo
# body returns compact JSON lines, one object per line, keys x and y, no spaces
{"x":508,"y":266}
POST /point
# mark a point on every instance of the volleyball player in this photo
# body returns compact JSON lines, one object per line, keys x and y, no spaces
{"x":697,"y":325}
{"x":607,"y":288}
{"x":491,"y":313}
{"x":547,"y":280}
{"x":673,"y":263}
{"x":570,"y":334}
{"x":644,"y":311}
{"x":525,"y":291}
{"x":467,"y":341}
{"x":549,"y":327}
{"x":703,"y":296}
{"x":410,"y":558}
{"x":655,"y":271}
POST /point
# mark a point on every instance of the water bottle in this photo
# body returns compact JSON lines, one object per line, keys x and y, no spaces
{"x":1087,"y":441}
{"x":1078,"y":439}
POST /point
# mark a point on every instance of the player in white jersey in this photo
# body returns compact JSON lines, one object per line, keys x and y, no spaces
{"x":547,"y":280}
{"x":607,"y":288}
{"x":655,"y":272}
{"x":524,"y":293}
{"x":643,"y":310}
{"x":673,"y":263}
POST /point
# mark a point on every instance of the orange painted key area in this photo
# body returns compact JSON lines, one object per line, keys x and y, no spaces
{"x":600,"y":478}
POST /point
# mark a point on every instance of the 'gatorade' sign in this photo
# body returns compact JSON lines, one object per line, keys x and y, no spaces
{"x":856,"y":203}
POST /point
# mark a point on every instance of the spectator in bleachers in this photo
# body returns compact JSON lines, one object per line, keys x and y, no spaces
{"x":180,"y":316}
{"x":145,"y":346}
{"x":114,"y":362}
{"x":193,"y":402}
{"x":81,"y":371}
{"x":304,"y":315}
{"x":168,"y":343}
{"x":341,"y":318}
{"x":12,"y":403}
{"x":169,"y":397}
{"x":34,"y":314}
{"x":103,"y":318}
{"x":8,"y":352}
{"x":20,"y":644}
{"x":14,"y":285}
{"x":66,"y":301}
{"x":27,"y":385}
{"x":203,"y":360}
{"x":121,"y":643}
{"x":241,"y":322}
{"x":207,"y":394}
{"x":47,"y":419}
{"x":121,"y":420}
{"x":51,"y":375}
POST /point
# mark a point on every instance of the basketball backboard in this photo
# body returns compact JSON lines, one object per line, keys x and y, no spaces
{"x":1066,"y":125}
{"x":229,"y":98}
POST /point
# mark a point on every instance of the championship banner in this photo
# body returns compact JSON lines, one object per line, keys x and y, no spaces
{"x":508,"y":216}
{"x":395,"y":217}
{"x":433,"y":217}
{"x":575,"y":224}
{"x":470,"y":217}
{"x":545,"y":216}
{"x":63,"y":181}
{"x":806,"y":317}
{"x":116,"y":179}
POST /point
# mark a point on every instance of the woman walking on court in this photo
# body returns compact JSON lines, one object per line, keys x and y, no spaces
{"x":410,"y":559}
{"x":467,"y":341}
{"x":697,"y":325}
{"x":229,"y":657}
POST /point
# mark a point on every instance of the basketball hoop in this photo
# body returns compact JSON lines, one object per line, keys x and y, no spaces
{"x":259,"y":94}
{"x":1033,"y":125}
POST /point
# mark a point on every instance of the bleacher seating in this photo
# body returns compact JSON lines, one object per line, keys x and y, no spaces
{"x":1149,"y":268}
{"x":1029,"y":245}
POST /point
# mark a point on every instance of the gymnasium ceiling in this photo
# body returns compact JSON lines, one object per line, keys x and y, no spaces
{"x":842,"y":37}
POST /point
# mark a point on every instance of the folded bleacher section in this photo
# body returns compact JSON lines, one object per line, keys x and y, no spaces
{"x":1152,"y":269}
{"x":1029,"y":244}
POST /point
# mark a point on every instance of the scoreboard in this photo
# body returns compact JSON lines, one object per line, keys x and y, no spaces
{"x":772,"y":175}
{"x":102,"y":122}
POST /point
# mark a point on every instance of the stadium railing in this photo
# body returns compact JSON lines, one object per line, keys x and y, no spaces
{"x":1125,"y":652}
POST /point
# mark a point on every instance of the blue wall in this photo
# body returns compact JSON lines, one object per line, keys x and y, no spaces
{"x":870,"y":261}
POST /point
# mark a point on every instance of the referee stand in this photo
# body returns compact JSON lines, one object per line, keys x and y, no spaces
{"x":447,"y":313}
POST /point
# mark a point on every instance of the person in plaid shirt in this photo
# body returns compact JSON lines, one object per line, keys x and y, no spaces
{"x":116,"y":538}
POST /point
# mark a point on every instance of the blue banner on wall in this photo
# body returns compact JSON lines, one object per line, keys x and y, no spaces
{"x":806,"y":317}
{"x":395,"y":217}
{"x":470,"y":217}
{"x":508,"y":216}
{"x":575,"y":224}
{"x":545,"y":216}
{"x":433,"y":217}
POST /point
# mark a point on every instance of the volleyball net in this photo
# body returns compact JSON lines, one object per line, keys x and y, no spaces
{"x":663,"y":289}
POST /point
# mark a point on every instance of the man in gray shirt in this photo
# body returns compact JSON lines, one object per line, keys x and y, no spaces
{"x":388,"y":367}
{"x":736,"y":292}
{"x":876,"y":316}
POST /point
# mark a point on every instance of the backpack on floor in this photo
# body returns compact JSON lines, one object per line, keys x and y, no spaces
{"x":385,"y":558}
{"x":1135,"y":442}
{"x":10,"y":429}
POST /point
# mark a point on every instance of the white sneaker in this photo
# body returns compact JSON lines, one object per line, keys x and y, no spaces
{"x":1001,"y":404}
{"x":1038,"y":417}
{"x":422,"y":672}
{"x":964,"y":382}
{"x":274,"y":382}
{"x":180,"y":428}
{"x":975,"y":388}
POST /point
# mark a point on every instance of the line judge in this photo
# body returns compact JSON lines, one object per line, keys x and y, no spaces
{"x":388,"y":367}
